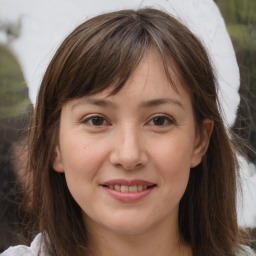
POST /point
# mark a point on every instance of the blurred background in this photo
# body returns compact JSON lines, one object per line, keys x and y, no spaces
{"x":16,"y":106}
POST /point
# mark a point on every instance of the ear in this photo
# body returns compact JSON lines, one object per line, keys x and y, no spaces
{"x":57,"y":163}
{"x":202,"y":142}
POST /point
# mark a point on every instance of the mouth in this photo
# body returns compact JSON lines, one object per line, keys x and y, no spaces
{"x":129,"y":189}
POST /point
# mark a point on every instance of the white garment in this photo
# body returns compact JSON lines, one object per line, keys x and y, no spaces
{"x":22,"y":250}
{"x":33,"y":249}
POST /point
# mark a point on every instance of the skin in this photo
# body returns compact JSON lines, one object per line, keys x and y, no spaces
{"x":147,"y":132}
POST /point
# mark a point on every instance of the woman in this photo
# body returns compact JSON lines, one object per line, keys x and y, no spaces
{"x":127,"y":147}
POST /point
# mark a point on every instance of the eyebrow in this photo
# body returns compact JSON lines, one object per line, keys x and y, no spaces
{"x":97,"y":102}
{"x":146,"y":104}
{"x":162,"y":101}
{"x":101,"y":103}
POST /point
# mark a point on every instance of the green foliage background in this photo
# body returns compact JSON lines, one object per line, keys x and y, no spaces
{"x":14,"y":109}
{"x":240,"y":18}
{"x":13,"y":90}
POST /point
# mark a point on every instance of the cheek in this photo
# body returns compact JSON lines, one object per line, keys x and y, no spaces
{"x":173,"y":160}
{"x":173,"y":155}
{"x":82,"y":158}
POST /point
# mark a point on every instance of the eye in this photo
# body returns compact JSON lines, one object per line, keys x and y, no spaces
{"x":95,"y":121}
{"x":161,"y":121}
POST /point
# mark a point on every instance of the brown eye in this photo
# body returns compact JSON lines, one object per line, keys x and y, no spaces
{"x":161,"y":121}
{"x":95,"y":121}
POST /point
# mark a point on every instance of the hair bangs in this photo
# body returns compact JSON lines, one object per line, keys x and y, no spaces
{"x":106,"y":57}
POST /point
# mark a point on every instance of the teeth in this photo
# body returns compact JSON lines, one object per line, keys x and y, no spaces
{"x":131,"y":189}
{"x":124,"y":188}
{"x":117,"y":188}
{"x":140,"y":188}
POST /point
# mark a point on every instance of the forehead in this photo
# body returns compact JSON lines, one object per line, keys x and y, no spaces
{"x":150,"y":77}
{"x":148,"y":83}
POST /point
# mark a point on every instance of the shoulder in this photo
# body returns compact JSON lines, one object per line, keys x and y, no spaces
{"x":246,"y":251}
{"x":22,"y":250}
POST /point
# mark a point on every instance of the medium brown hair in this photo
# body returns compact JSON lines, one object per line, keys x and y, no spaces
{"x":106,"y":50}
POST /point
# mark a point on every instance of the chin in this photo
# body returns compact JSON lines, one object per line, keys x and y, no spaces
{"x":130,"y":230}
{"x":130,"y":225}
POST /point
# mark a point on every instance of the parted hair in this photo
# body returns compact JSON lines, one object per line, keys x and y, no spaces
{"x":102,"y":52}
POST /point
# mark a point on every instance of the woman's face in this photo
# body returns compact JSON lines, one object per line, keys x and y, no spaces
{"x":127,"y":157}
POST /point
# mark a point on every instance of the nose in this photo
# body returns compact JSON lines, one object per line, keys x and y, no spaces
{"x":128,"y":151}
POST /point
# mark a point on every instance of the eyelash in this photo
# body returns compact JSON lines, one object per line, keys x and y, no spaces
{"x":89,"y":120}
{"x":164,"y":121}
{"x":167,"y":120}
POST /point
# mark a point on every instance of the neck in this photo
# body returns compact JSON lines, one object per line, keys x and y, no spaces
{"x":158,"y":241}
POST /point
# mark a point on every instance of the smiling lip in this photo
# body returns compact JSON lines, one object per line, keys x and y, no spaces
{"x":128,"y":191}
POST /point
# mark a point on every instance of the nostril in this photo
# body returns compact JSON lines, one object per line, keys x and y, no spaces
{"x":128,"y":161}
